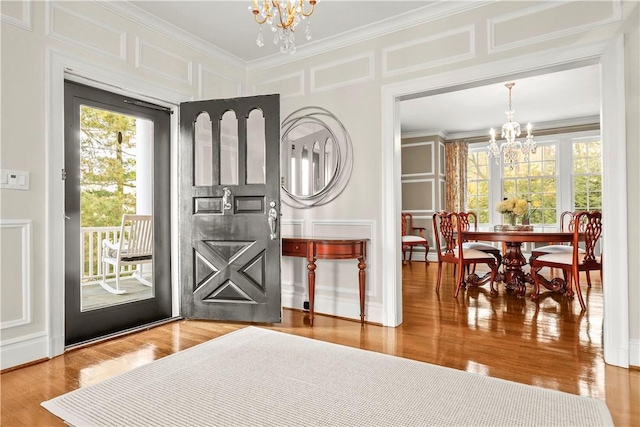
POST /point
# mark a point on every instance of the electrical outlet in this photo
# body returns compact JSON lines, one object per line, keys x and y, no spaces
{"x":305,"y":305}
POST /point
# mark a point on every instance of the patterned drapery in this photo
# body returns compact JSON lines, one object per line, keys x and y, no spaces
{"x":456,"y":175}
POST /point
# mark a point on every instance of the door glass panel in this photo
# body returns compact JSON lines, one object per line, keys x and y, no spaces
{"x":116,"y":178}
{"x":229,"y":149}
{"x":203,"y":156}
{"x":256,"y":166}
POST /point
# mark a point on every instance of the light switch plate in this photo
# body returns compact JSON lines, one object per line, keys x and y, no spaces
{"x":14,"y":180}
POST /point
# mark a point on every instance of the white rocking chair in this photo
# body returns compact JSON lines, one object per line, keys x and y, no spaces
{"x":134,"y":247}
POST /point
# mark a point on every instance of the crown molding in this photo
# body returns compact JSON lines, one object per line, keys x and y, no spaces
{"x":432,"y":12}
{"x":147,"y":20}
{"x":554,"y":124}
{"x":422,"y":133}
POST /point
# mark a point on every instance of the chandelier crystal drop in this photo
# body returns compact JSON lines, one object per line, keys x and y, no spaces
{"x":510,"y":131}
{"x":283,"y":16}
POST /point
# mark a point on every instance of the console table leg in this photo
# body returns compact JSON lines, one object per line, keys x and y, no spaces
{"x":361,"y":278}
{"x":312,"y":287}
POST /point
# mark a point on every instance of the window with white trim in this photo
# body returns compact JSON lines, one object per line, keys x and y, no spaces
{"x":478,"y":185}
{"x":587,"y":174}
{"x":564,"y":174}
{"x":536,"y":181}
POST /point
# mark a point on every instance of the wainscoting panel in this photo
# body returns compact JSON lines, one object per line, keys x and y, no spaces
{"x":74,"y":28}
{"x":17,"y":13}
{"x":345,"y":72}
{"x":160,"y":61}
{"x":15,"y":241}
{"x":430,"y":51}
{"x":539,"y":23}
{"x":213,"y":85}
{"x":287,"y":86}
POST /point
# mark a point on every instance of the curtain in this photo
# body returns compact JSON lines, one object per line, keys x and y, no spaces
{"x":456,"y":153}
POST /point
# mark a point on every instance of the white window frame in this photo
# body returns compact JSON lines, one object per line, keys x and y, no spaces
{"x":583,"y":139}
{"x":564,"y":175}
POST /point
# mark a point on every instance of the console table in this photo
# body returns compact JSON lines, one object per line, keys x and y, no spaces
{"x":328,"y":248}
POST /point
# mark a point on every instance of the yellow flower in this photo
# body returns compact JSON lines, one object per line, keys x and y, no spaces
{"x":513,"y":206}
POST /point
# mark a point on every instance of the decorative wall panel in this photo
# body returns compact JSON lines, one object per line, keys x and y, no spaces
{"x":418,"y":159}
{"x":212,"y":85}
{"x":540,"y":23}
{"x":16,"y":13}
{"x":15,"y":273}
{"x":346,"y":72}
{"x":287,"y":86}
{"x":418,"y":195}
{"x":442,"y":165}
{"x":162,"y":62}
{"x":80,"y":30}
{"x":439,"y":49}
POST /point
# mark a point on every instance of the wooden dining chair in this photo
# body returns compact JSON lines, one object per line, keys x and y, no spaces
{"x":412,"y":236}
{"x":567,"y":223}
{"x":589,"y":225}
{"x":448,"y":226}
{"x":468,"y":218}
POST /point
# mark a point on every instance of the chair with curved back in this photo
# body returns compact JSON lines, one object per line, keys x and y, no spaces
{"x":466,"y":219}
{"x":412,"y":236}
{"x":589,"y":225}
{"x":449,"y":226}
{"x":567,"y":223}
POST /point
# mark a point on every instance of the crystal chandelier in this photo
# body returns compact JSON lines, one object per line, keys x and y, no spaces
{"x":510,"y":131}
{"x":283,"y":16}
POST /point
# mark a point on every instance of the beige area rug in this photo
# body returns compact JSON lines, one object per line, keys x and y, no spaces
{"x":256,"y":376}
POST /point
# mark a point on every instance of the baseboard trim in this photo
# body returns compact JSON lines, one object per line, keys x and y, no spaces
{"x":24,"y":350}
{"x":634,"y":353}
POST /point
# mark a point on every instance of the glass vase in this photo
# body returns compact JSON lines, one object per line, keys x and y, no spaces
{"x":510,"y":219}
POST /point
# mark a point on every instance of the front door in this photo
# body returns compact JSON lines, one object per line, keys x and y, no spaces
{"x":230,"y":209}
{"x":117,"y":162}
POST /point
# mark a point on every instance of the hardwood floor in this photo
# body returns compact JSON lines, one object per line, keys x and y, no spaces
{"x":550,"y":344}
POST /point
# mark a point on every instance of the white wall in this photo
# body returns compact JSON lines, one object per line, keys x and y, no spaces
{"x":37,"y":37}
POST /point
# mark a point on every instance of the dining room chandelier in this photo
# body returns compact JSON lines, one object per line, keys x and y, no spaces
{"x":510,"y":148}
{"x":282,"y":16}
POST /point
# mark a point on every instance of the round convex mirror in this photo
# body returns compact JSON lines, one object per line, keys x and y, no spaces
{"x":316,"y":158}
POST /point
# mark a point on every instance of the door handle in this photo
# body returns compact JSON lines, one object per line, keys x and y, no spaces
{"x":66,"y":217}
{"x":273,"y":221}
{"x":226,"y":199}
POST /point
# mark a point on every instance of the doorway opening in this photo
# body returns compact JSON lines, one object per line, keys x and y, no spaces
{"x":610,"y":58}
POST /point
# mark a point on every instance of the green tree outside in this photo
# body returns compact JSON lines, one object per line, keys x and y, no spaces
{"x":107,"y":165}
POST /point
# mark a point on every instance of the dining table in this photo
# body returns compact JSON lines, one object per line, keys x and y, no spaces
{"x":513,"y":274}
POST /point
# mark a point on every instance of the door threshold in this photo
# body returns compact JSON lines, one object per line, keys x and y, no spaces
{"x":121,"y":333}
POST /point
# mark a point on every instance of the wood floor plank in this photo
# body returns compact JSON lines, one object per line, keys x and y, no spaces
{"x":550,"y":344}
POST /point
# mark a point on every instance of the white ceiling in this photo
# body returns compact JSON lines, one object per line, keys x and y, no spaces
{"x":229,"y":25}
{"x":568,"y":96}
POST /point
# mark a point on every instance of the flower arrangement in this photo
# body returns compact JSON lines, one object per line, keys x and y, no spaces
{"x":512,"y":208}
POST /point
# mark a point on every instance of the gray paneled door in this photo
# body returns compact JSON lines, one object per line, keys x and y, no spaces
{"x":230,"y":209}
